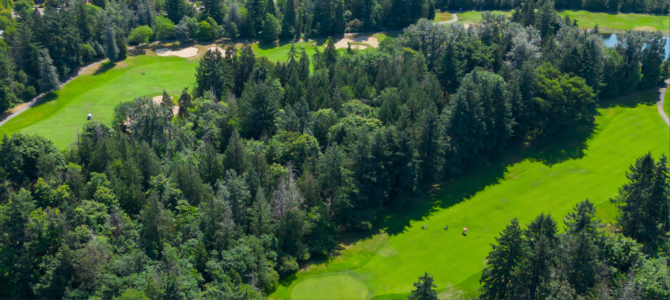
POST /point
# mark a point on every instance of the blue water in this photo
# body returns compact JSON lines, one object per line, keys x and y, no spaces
{"x":611,"y":40}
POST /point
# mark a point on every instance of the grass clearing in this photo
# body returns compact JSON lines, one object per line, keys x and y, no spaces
{"x":606,"y":22}
{"x":443,"y":16}
{"x":60,"y":115}
{"x":609,"y":22}
{"x":473,"y":16}
{"x":550,"y":176}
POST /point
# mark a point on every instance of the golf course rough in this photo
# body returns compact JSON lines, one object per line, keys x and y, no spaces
{"x":549,"y":179}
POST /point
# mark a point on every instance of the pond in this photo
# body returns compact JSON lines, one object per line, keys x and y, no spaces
{"x":611,"y":40}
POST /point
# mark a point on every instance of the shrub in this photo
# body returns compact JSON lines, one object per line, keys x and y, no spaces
{"x":164,"y":28}
{"x":205,"y":33}
{"x":140,"y":34}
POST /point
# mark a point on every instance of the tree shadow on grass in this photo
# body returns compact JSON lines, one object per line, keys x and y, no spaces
{"x":104,"y":67}
{"x":46,"y":99}
{"x":570,"y":144}
{"x":645,"y":97}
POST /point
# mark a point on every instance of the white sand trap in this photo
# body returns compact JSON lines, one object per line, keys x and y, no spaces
{"x":221,"y":50}
{"x":186,"y":52}
{"x":349,"y":38}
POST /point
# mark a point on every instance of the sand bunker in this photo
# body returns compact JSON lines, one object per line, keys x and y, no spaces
{"x":186,"y":52}
{"x":223,"y":52}
{"x":349,"y":38}
{"x":158,"y":99}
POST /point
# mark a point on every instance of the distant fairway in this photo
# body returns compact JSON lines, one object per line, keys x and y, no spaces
{"x":585,"y":19}
{"x":58,"y":117}
{"x":607,"y":21}
{"x":549,"y":178}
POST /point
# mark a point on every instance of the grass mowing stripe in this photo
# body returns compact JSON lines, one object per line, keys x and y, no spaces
{"x":549,"y":177}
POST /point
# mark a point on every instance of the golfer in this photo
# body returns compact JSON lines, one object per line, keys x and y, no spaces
{"x":465,"y":231}
{"x":89,"y":117}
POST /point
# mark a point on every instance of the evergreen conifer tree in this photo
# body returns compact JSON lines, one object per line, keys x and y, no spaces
{"x":425,"y":289}
{"x":48,"y":76}
{"x":503,"y":261}
{"x":288,"y":26}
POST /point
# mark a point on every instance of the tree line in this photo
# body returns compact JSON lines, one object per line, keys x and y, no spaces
{"x":264,"y":164}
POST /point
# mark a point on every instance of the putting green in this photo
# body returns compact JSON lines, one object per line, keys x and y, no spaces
{"x":549,"y":177}
{"x":60,"y":115}
{"x":335,"y":287}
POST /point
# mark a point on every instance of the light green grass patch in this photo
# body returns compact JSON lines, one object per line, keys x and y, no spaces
{"x":547,"y":177}
{"x":470,"y":17}
{"x":59,"y":116}
{"x":340,"y":286}
{"x":607,"y":21}
{"x":443,"y":16}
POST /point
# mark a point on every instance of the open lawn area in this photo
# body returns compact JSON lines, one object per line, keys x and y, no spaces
{"x":606,"y":22}
{"x":549,"y":177}
{"x":470,"y":17}
{"x":443,"y":16}
{"x":59,"y":116}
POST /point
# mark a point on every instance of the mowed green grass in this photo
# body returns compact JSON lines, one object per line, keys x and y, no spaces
{"x":344,"y":287}
{"x":606,"y":21}
{"x":585,"y":19}
{"x":547,"y":178}
{"x":474,"y":16}
{"x":59,"y":116}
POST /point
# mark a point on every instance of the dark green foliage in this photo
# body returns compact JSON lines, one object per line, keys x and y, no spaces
{"x":48,"y":76}
{"x":288,"y":27}
{"x":425,"y":289}
{"x":214,"y":74}
{"x":502,"y":261}
{"x":259,"y":106}
{"x":643,"y":202}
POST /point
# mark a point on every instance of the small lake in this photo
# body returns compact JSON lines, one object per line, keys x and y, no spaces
{"x":611,"y":40}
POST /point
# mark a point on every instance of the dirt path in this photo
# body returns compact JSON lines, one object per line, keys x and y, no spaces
{"x":30,"y":104}
{"x":659,"y":104}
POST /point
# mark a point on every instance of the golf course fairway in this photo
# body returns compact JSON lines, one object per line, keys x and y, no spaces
{"x":344,"y":287}
{"x":60,"y":115}
{"x":585,"y":19}
{"x":549,"y":177}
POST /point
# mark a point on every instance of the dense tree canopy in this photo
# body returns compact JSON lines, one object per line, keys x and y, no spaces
{"x":265,"y":163}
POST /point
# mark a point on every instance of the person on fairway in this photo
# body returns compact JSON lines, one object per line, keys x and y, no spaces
{"x":89,"y":117}
{"x":465,"y":231}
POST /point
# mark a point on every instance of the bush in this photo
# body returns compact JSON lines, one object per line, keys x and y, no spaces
{"x":87,"y":52}
{"x":140,"y":34}
{"x":164,"y":28}
{"x":205,"y":33}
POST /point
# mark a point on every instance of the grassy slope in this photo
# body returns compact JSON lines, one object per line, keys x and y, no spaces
{"x":548,"y":178}
{"x":587,"y":19}
{"x":58,"y":117}
{"x":666,"y":103}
